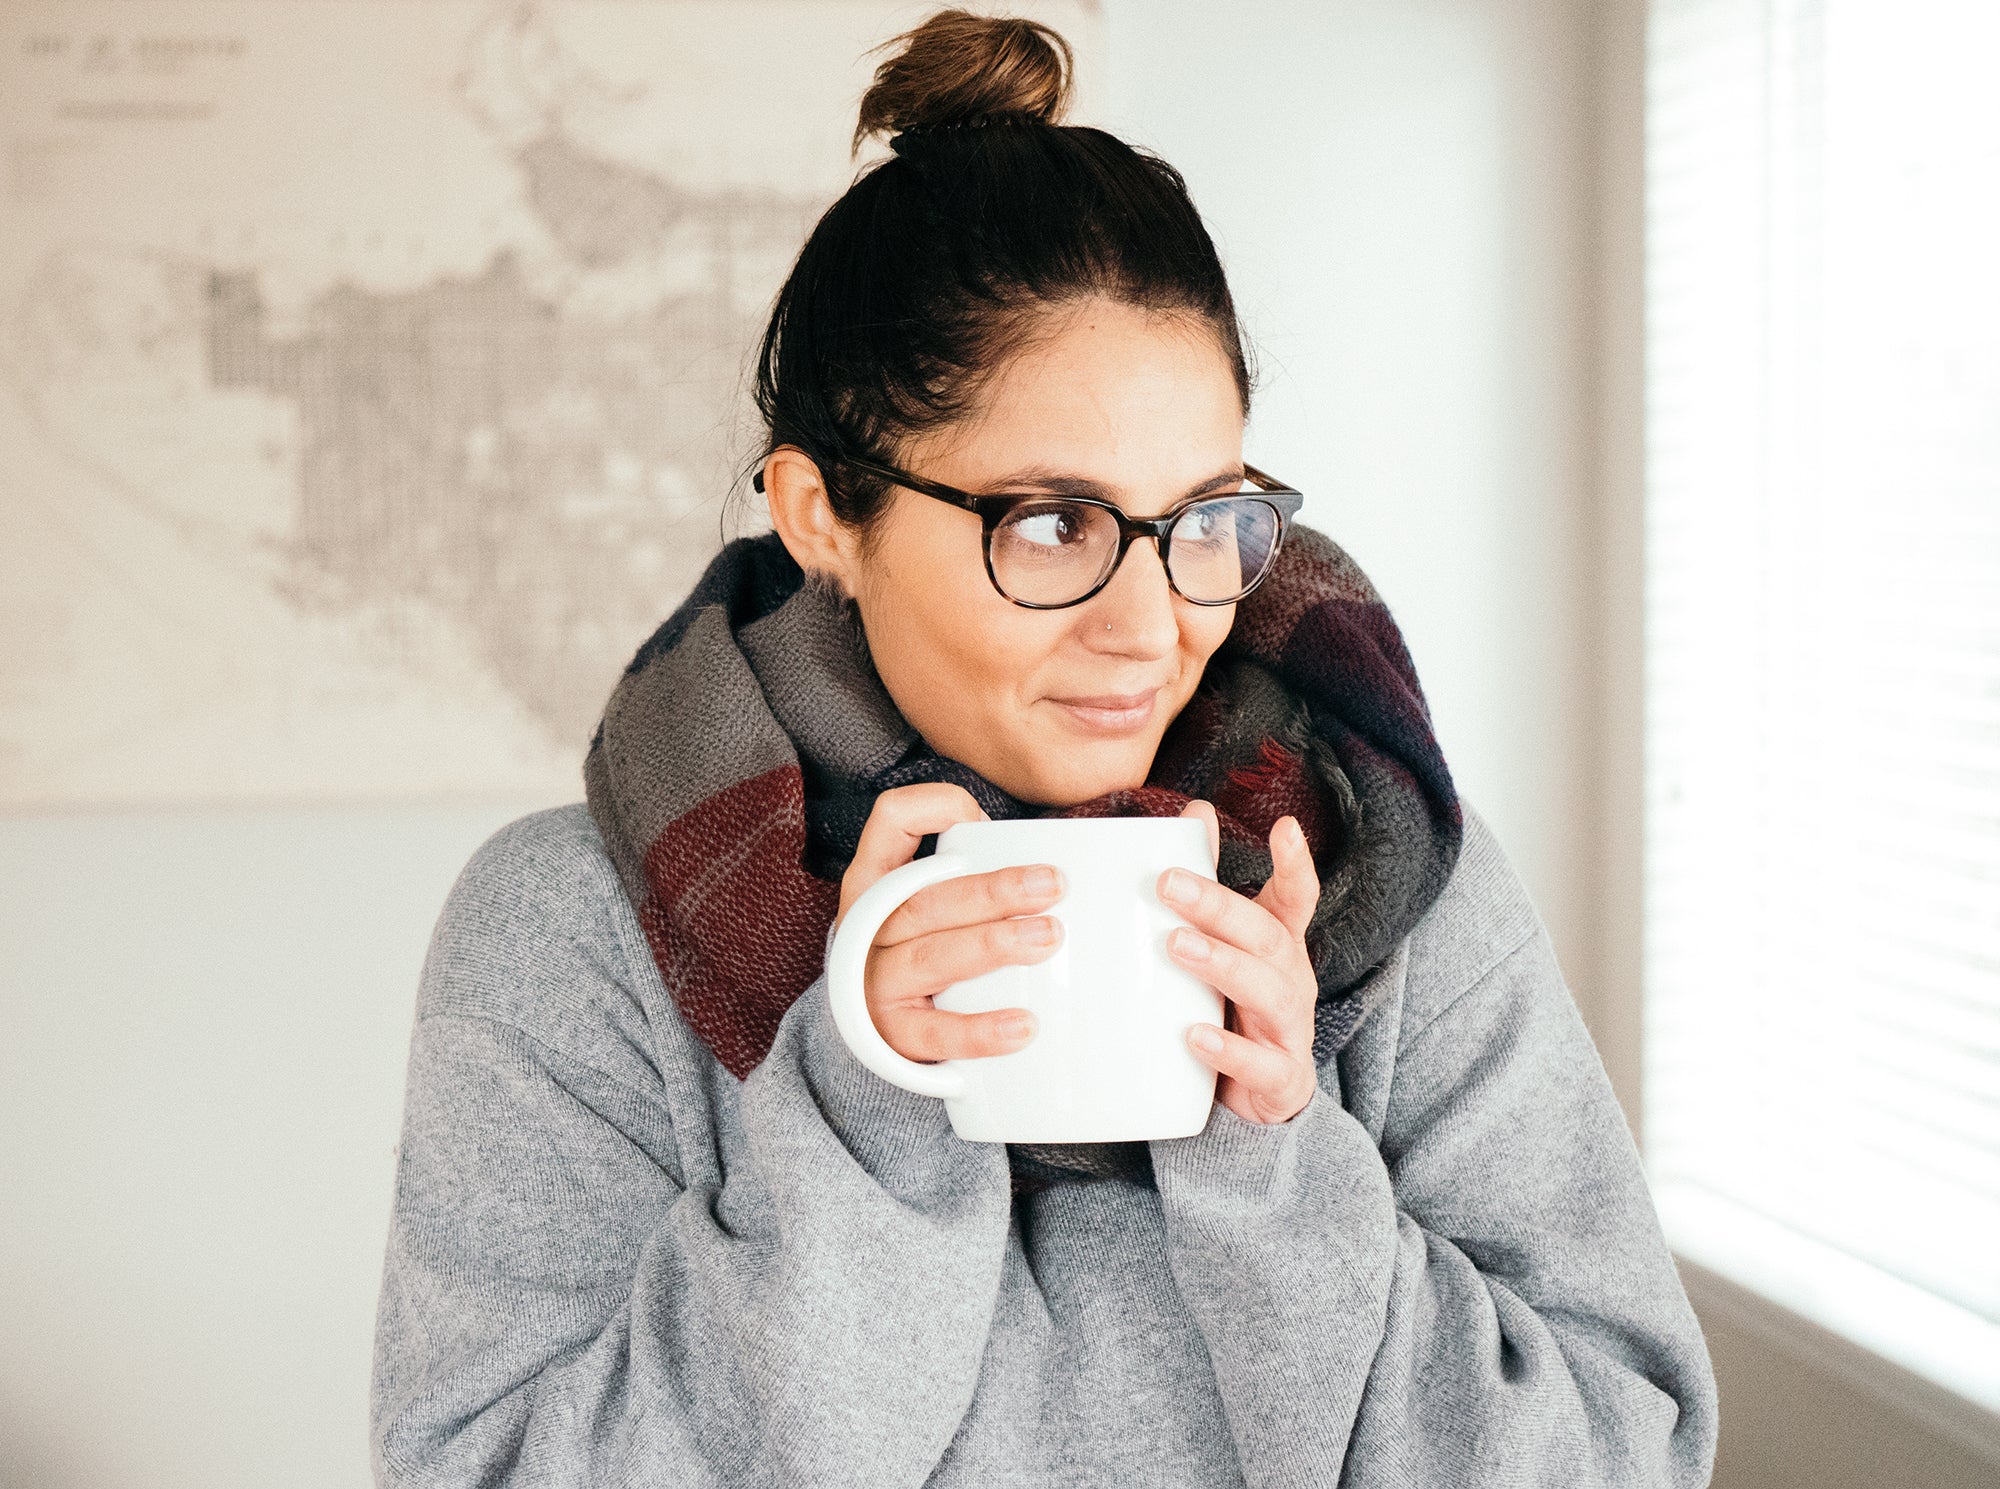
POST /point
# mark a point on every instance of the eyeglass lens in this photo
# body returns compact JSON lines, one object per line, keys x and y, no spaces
{"x":1057,"y":551}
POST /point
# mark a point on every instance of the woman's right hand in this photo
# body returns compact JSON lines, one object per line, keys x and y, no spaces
{"x":948,"y":932}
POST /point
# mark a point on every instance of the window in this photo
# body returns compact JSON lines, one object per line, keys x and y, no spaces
{"x":1822,"y":877}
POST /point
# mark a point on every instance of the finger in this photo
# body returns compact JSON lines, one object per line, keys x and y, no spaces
{"x":914,"y":971}
{"x":938,"y":1034}
{"x":1292,"y":891}
{"x":1225,"y":915}
{"x":972,"y":900}
{"x":1257,"y":985}
{"x":1206,"y":811}
{"x":897,"y":823}
{"x":1270,"y":1075}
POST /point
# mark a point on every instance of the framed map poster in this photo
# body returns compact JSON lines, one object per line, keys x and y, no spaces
{"x":373,"y":372}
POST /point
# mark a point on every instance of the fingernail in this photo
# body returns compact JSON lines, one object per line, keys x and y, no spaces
{"x":1205,"y":1036}
{"x":1179,"y":887}
{"x":1191,"y":944}
{"x":1018,"y":1028}
{"x":1043,"y":880}
{"x":1298,"y":833}
{"x":1039,"y":931}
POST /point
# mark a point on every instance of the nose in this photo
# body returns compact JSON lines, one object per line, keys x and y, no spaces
{"x":1135,"y":611}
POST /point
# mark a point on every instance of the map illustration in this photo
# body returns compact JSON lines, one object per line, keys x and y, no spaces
{"x":372,"y":376}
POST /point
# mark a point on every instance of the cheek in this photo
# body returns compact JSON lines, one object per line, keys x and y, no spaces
{"x":1203,"y":633}
{"x":947,"y":635}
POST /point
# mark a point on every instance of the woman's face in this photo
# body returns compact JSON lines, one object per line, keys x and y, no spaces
{"x":1055,"y":706}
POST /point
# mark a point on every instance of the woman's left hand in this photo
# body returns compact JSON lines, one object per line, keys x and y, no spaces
{"x":1254,"y":954}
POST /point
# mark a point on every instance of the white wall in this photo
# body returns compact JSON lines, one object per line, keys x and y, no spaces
{"x":203,"y":1017}
{"x":205,"y":1022}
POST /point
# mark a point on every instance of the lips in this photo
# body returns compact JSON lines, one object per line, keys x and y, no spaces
{"x":1116,"y":702}
{"x":1110,"y":713}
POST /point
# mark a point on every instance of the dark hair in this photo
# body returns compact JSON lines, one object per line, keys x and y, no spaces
{"x":937,"y":263}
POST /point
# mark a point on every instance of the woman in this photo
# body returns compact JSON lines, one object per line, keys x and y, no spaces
{"x":654,"y":1222}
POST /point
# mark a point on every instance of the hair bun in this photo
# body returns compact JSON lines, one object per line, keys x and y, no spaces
{"x":958,"y":68}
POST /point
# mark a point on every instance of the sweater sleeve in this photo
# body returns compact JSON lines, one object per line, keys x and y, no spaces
{"x":1486,"y":1299}
{"x":559,"y":1308}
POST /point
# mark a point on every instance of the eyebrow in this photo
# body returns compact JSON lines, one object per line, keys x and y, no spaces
{"x":1042,"y":479}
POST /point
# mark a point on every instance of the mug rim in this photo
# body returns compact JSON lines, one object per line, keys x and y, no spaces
{"x":1123,"y":821}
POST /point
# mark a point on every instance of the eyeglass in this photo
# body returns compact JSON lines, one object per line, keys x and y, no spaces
{"x":1049,"y":552}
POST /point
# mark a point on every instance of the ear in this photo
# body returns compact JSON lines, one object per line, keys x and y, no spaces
{"x":804,"y":518}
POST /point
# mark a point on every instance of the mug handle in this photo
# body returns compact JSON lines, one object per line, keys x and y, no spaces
{"x":847,"y":962}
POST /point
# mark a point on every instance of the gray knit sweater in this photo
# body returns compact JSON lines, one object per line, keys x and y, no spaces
{"x":610,"y":1263}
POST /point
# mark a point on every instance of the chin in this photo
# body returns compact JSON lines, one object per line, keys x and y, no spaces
{"x":1091,"y":773}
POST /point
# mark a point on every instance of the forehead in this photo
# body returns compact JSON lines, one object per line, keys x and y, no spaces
{"x":1131,"y":399}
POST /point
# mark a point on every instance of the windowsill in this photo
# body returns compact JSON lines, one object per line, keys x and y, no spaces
{"x":1934,"y":1360}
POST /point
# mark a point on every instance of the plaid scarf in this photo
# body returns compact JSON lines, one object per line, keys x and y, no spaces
{"x":742,"y":750}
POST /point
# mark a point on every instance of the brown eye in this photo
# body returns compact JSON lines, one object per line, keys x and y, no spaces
{"x":1054,"y":525}
{"x":1223,"y":547}
{"x":1050,"y":552}
{"x":1205,"y":524}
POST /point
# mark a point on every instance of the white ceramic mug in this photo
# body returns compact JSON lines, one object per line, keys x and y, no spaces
{"x":1109,"y":1060}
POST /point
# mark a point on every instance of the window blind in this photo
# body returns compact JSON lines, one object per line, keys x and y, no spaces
{"x":1822,"y":728}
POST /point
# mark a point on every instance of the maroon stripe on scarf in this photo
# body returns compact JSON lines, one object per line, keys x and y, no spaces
{"x":1277,"y":784}
{"x":736,"y":923}
{"x":1251,"y":797}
